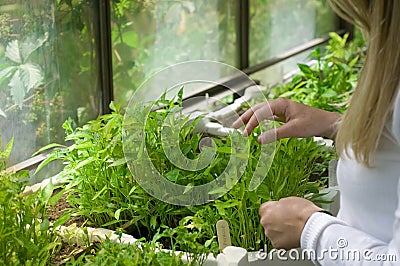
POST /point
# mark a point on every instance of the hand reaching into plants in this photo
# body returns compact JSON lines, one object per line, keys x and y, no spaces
{"x":283,"y":221}
{"x":301,"y":121}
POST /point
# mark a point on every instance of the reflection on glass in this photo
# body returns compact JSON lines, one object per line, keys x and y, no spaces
{"x":280,"y":72}
{"x":48,"y":71}
{"x":277,"y":26}
{"x":148,"y":36}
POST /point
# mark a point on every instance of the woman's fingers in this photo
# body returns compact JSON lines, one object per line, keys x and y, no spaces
{"x":300,"y":120}
{"x":244,"y":118}
{"x":283,"y":220}
{"x":258,"y":116}
{"x":264,"y":207}
{"x":271,"y":110}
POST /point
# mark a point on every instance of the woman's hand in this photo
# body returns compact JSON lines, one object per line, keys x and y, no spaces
{"x":301,"y":121}
{"x":283,"y":221}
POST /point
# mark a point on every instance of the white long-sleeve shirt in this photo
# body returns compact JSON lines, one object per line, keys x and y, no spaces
{"x":367,"y":228}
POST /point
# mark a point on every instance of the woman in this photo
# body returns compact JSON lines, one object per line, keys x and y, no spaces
{"x":367,"y":137}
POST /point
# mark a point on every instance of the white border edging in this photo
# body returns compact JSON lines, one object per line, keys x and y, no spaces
{"x":81,"y":236}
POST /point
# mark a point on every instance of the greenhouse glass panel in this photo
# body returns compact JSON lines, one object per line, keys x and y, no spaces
{"x":277,"y":26}
{"x":48,"y":71}
{"x":148,"y":36}
{"x":280,"y":72}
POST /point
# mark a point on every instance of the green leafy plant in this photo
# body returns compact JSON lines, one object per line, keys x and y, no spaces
{"x":104,"y":192}
{"x":329,"y":82}
{"x":26,"y":235}
{"x":289,"y":175}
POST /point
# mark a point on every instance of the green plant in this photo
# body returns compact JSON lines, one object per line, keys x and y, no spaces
{"x":289,"y":175}
{"x":103,"y":190}
{"x":140,"y":254}
{"x":23,"y":76}
{"x":26,"y":235}
{"x":329,"y":82}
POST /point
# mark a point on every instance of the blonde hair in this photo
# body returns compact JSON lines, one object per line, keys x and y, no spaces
{"x":370,"y":106}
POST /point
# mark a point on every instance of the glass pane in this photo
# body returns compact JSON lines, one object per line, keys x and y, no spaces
{"x":148,"y":36}
{"x":48,"y":71}
{"x":278,"y":73}
{"x":280,"y":25}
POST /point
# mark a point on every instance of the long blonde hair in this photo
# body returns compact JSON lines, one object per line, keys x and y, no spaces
{"x":370,"y":106}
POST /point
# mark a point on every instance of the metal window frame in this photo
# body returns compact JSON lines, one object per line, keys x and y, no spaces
{"x":104,"y":48}
{"x":243,"y":34}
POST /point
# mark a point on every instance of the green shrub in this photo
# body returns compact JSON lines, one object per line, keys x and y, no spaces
{"x":26,"y":235}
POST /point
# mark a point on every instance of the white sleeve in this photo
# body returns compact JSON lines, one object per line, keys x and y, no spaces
{"x":396,"y":118}
{"x":330,"y":241}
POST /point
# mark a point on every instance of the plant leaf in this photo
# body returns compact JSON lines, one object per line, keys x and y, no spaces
{"x":32,"y":43}
{"x":47,"y":192}
{"x":12,"y":52}
{"x":307,"y":71}
{"x":188,"y":188}
{"x":117,"y":214}
{"x":44,"y":225}
{"x":54,"y":199}
{"x":31,"y":75}
{"x":153,"y":221}
{"x":8,"y":148}
{"x":62,"y":219}
{"x":99,"y":193}
{"x":17,"y":88}
{"x":131,"y":38}
{"x":6,"y":72}
{"x":329,"y":93}
{"x":47,"y":147}
{"x":118,"y":162}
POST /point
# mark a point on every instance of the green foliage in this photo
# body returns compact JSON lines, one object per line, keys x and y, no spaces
{"x":329,"y":82}
{"x":21,"y":74}
{"x":26,"y":235}
{"x":138,"y":254}
{"x":294,"y":162}
{"x":103,"y":190}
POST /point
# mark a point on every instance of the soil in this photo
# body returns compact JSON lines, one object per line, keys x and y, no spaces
{"x":317,"y":176}
{"x":61,"y":207}
{"x":67,"y":250}
{"x":65,"y":254}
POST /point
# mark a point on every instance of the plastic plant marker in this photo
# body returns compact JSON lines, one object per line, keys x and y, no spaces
{"x":223,"y":234}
